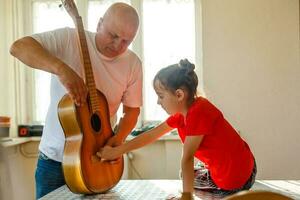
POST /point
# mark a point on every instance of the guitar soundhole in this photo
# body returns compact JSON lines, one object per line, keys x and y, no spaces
{"x":96,"y":122}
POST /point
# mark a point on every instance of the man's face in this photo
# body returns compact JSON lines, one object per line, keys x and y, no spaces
{"x":114,"y":36}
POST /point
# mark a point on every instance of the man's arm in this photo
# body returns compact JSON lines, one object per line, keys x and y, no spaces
{"x":31,"y":53}
{"x":125,"y":126}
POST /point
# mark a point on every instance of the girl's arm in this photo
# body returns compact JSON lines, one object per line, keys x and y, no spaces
{"x":111,"y":153}
{"x":190,"y":146}
{"x":125,"y":126}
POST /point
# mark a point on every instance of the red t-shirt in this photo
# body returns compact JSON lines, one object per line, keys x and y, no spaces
{"x":226,"y":155}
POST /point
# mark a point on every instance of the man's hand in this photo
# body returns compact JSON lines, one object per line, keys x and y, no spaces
{"x":114,"y":141}
{"x":74,"y":84}
{"x":109,"y":153}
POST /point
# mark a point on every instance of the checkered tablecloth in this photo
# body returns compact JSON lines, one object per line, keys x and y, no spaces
{"x":161,"y":189}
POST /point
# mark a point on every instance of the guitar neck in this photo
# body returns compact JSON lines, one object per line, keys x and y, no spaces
{"x":85,"y":57}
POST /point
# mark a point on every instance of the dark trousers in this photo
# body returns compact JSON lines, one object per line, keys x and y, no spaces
{"x":48,"y":175}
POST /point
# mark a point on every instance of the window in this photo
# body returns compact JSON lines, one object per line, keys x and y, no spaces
{"x":42,"y":22}
{"x":167,"y":34}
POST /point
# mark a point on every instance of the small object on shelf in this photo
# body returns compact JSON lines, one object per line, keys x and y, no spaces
{"x":143,"y":129}
{"x":4,"y":126}
{"x":30,"y":130}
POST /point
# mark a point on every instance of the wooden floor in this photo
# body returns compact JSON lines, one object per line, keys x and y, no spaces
{"x":161,"y":189}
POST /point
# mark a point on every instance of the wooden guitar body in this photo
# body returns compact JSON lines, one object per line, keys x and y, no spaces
{"x":86,"y":132}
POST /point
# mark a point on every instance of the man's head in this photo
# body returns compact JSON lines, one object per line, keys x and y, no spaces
{"x":116,"y":29}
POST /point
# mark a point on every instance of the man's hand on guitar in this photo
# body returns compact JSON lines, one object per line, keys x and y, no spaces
{"x":114,"y":141}
{"x":109,"y":153}
{"x":74,"y":84}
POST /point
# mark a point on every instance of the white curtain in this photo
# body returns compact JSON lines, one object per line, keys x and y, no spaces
{"x":15,"y":78}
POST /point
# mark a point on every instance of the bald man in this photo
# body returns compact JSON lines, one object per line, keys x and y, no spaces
{"x":117,"y":72}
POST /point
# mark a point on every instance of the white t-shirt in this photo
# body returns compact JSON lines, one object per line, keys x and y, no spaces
{"x":119,"y":79}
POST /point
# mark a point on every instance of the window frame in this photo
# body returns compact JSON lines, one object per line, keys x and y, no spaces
{"x":137,"y":47}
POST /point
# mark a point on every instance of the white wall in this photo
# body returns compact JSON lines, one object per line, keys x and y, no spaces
{"x":160,"y":160}
{"x":4,"y":108}
{"x":252,"y":73}
{"x":17,"y":171}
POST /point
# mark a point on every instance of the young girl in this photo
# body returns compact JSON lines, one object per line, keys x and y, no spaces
{"x":204,"y":132}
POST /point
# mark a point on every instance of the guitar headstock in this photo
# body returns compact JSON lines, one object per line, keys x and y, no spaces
{"x":71,"y":8}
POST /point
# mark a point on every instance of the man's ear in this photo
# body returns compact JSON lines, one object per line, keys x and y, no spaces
{"x":180,"y":94}
{"x":99,"y":24}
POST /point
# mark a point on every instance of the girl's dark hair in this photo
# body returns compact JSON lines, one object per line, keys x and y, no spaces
{"x":179,"y":76}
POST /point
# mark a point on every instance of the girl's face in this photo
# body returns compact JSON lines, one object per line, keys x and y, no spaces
{"x":170,"y":102}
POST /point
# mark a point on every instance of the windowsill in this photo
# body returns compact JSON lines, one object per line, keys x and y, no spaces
{"x":9,"y":142}
{"x":165,"y":137}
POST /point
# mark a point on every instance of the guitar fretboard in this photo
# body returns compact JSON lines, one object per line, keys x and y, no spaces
{"x":88,"y":70}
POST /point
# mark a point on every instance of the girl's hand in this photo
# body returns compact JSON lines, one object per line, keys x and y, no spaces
{"x":183,"y":196}
{"x":109,"y":153}
{"x":173,"y":197}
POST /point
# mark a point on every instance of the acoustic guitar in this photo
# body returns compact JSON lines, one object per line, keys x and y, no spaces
{"x":87,"y":128}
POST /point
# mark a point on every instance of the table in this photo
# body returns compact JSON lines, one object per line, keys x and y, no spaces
{"x":160,"y":189}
